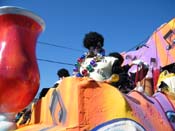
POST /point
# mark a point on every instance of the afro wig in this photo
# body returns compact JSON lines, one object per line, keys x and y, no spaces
{"x":93,"y":39}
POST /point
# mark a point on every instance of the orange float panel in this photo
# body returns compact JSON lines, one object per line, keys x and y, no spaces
{"x":79,"y":103}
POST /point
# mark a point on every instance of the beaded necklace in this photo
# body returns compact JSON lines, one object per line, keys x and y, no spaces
{"x":90,"y":67}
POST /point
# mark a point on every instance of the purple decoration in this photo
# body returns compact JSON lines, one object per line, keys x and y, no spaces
{"x":93,"y":63}
{"x":75,"y":69}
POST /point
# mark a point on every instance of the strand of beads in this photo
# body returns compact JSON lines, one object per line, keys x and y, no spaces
{"x":76,"y":69}
{"x":90,"y":67}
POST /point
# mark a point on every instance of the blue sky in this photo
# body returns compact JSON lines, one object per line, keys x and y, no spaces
{"x":123,"y":23}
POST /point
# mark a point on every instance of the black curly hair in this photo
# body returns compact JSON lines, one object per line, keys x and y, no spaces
{"x":63,"y":72}
{"x":117,"y":55}
{"x":93,"y":39}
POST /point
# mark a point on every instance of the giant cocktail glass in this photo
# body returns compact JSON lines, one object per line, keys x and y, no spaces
{"x":19,"y":73}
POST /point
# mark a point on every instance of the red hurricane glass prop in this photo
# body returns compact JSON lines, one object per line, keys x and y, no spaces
{"x":19,"y":73}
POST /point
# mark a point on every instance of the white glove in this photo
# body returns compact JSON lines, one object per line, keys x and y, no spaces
{"x":137,"y":62}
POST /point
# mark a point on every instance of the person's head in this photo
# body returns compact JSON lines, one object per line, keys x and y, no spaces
{"x":118,"y":56}
{"x":93,"y":40}
{"x":63,"y":73}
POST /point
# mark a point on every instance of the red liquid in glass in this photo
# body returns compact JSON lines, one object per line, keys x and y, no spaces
{"x":19,"y":73}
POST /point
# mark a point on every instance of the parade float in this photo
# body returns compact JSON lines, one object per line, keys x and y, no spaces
{"x":81,"y":103}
